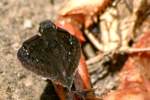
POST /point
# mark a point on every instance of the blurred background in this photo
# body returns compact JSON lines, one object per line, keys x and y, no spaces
{"x":116,"y":28}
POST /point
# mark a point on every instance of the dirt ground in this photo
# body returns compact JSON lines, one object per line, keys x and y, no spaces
{"x":19,"y":19}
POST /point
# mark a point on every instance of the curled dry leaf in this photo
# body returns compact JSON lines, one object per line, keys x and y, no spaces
{"x":135,"y":76}
{"x":84,"y":75}
{"x":84,"y":11}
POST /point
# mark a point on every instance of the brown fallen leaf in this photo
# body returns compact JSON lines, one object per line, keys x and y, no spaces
{"x":135,"y":76}
{"x":84,"y":11}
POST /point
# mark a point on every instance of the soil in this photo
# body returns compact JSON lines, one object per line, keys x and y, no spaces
{"x":19,"y":20}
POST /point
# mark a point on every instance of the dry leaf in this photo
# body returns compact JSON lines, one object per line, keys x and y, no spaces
{"x":84,"y":11}
{"x":135,"y":76}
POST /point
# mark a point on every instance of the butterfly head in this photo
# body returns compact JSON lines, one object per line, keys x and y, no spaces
{"x":47,"y":27}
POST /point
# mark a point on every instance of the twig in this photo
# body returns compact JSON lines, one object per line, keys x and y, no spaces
{"x":94,"y":59}
{"x":136,"y":50}
{"x":94,"y":40}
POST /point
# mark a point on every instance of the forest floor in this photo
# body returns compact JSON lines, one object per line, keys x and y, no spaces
{"x":19,"y":20}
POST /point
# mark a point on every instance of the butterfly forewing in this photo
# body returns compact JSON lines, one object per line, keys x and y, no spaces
{"x":53,"y":56}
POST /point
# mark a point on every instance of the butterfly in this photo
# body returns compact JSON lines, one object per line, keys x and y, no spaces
{"x":53,"y":54}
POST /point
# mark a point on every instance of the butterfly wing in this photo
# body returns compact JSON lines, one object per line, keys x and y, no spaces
{"x":55,"y":57}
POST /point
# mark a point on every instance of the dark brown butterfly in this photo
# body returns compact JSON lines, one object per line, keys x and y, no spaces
{"x":53,"y":54}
